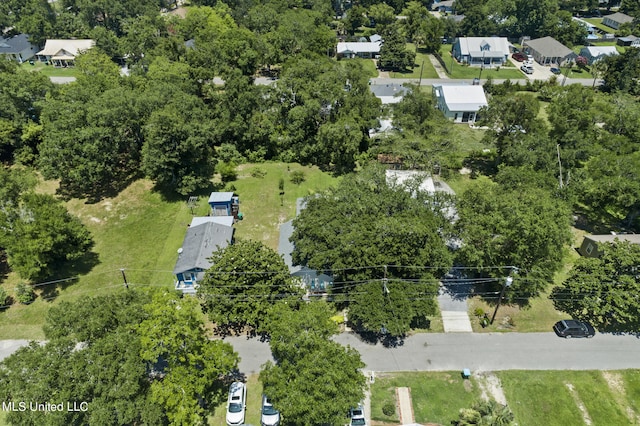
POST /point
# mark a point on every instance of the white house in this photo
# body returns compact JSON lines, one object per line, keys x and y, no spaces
{"x":481,"y":51}
{"x":63,"y":53}
{"x":616,"y":19}
{"x":595,"y":53}
{"x":359,"y":49}
{"x":17,"y":48}
{"x":460,"y":102}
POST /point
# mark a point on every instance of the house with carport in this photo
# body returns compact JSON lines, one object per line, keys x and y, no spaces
{"x":460,"y":102}
{"x":548,"y":51}
{"x":481,"y":51}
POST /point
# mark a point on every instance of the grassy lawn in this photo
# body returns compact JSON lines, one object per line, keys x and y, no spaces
{"x":597,"y":22}
{"x":545,"y":398}
{"x":368,"y":65}
{"x":254,"y":401}
{"x":437,"y":397}
{"x":459,"y":71}
{"x":421,"y":58}
{"x":50,"y":70}
{"x":260,"y":200}
{"x":140,"y":230}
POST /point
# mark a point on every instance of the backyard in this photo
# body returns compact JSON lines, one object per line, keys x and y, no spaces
{"x":422,"y":64}
{"x":50,"y":70}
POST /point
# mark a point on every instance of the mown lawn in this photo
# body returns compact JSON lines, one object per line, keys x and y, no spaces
{"x":422,"y":61}
{"x":254,"y":401}
{"x":140,"y":231}
{"x":437,"y":396}
{"x":263,"y":209}
{"x":458,"y":71}
{"x":50,"y":70}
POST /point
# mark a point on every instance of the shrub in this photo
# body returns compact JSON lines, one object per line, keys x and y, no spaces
{"x":478,"y":312}
{"x":227,"y":171}
{"x":3,"y":297}
{"x":258,"y":172}
{"x":297,"y":177}
{"x":24,"y":294}
{"x":389,"y":409}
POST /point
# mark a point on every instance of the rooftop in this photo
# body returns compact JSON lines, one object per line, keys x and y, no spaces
{"x":199,"y":243}
{"x":462,"y":97}
{"x":220,"y":197}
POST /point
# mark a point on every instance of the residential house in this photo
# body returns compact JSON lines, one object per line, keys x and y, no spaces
{"x":62,"y":53}
{"x":548,"y":50}
{"x":616,"y":19}
{"x":203,"y":238}
{"x":595,"y":53}
{"x":315,"y":283}
{"x":358,"y":49}
{"x":17,"y":48}
{"x":224,"y":204}
{"x":629,"y":41}
{"x":460,"y":102}
{"x":589,"y":247}
{"x":481,"y":51}
{"x":391,"y":93}
{"x":443,"y":6}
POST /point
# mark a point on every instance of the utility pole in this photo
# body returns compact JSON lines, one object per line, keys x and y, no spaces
{"x":559,"y":165}
{"x":507,"y":283}
{"x":124,"y":278}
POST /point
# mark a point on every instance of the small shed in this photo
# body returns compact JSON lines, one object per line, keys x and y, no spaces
{"x":224,"y":204}
{"x":589,"y":247}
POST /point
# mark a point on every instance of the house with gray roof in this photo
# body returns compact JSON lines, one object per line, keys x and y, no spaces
{"x":548,"y":50}
{"x":391,"y":93}
{"x":590,"y":244}
{"x":595,"y":53}
{"x":17,"y":48}
{"x":629,"y":41}
{"x":616,"y":19}
{"x":200,"y":242}
{"x":358,"y":49}
{"x":481,"y":51}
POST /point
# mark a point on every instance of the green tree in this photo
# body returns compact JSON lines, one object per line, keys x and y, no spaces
{"x":382,"y":15}
{"x":394,"y":54}
{"x":526,"y":227}
{"x":174,"y":333}
{"x":40,"y":235}
{"x":602,"y":290}
{"x":620,"y":72}
{"x":323,"y":371}
{"x":246,"y":279}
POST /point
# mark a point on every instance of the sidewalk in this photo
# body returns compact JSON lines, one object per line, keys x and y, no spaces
{"x":452,"y":301}
{"x":406,"y":408}
{"x":438,"y":67}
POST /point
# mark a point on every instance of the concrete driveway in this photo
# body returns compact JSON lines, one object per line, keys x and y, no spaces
{"x":540,"y":72}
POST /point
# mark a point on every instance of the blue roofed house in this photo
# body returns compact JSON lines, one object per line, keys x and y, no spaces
{"x":204,"y":236}
{"x":17,"y":48}
{"x":481,"y":51}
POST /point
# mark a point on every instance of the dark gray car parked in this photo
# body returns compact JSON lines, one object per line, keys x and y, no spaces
{"x":573,"y":328}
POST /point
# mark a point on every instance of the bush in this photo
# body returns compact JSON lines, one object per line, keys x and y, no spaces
{"x":24,"y":294}
{"x":227,"y":171}
{"x":389,"y":409}
{"x":3,"y":297}
{"x":258,"y":172}
{"x":478,"y":312}
{"x":297,"y":177}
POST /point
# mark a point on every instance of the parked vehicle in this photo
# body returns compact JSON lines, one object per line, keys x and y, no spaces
{"x":519,"y":56}
{"x":269,"y":416}
{"x":572,"y":328}
{"x":356,"y":416}
{"x":555,"y":70}
{"x":527,"y":70}
{"x":236,"y":404}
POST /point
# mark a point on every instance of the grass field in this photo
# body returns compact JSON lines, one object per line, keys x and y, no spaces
{"x":140,"y":230}
{"x":455,"y":70}
{"x":50,"y":70}
{"x":421,"y":58}
{"x":535,"y":397}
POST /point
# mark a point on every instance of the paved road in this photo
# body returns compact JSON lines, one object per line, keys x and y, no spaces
{"x":455,"y":351}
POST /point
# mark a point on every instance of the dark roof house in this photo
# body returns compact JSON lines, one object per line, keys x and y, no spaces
{"x":589,"y":247}
{"x":616,"y":19}
{"x":17,"y":48}
{"x":548,"y":50}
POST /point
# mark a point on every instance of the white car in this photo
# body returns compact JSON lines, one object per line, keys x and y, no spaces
{"x":357,"y":416}
{"x":236,"y":404}
{"x":526,"y":70}
{"x":269,"y":416}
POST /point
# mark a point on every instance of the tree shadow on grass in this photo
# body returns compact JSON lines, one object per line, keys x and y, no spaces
{"x":65,"y":275}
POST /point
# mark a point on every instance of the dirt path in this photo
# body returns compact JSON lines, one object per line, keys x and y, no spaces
{"x":580,"y":404}
{"x":616,"y":385}
{"x":491,"y":387}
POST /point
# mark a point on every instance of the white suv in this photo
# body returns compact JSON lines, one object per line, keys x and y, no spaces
{"x":236,"y":404}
